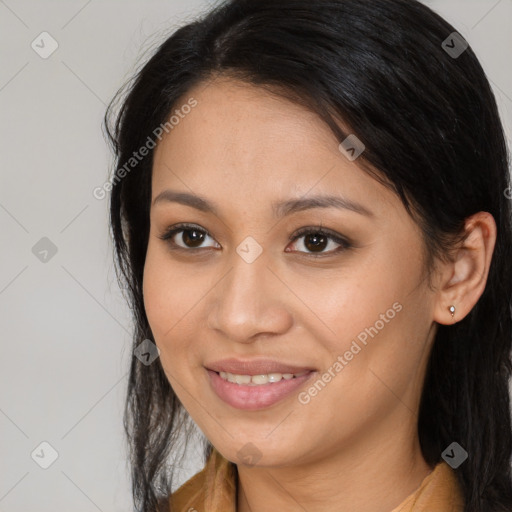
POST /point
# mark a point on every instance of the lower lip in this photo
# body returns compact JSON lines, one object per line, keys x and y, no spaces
{"x":255,"y":397}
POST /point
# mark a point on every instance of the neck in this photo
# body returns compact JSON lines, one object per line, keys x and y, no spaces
{"x":365,"y":473}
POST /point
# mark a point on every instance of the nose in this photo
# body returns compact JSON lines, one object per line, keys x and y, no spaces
{"x":249,"y":302}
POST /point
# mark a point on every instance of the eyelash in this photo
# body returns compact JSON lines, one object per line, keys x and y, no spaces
{"x":314,"y":230}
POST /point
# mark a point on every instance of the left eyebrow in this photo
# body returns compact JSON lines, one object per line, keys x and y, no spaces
{"x":197,"y":202}
{"x":284,"y":208}
{"x":280,"y":209}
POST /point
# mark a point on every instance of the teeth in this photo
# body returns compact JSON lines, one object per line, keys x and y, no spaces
{"x":257,"y":380}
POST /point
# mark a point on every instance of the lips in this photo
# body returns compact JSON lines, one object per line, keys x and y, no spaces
{"x":255,"y":367}
{"x":253,"y":398}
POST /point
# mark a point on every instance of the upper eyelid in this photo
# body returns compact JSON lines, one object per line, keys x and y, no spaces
{"x":298,"y":233}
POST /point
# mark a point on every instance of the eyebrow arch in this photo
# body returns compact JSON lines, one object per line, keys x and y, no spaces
{"x":280,"y":209}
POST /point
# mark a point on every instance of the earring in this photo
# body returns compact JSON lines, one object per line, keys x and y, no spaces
{"x":452,"y":310}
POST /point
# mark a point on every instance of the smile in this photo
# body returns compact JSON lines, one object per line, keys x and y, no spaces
{"x":254,"y":392}
{"x":258,"y":380}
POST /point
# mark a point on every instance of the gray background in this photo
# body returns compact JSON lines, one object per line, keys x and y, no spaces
{"x":65,"y":327}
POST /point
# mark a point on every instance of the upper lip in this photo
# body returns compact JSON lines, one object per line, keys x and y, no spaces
{"x":255,"y":367}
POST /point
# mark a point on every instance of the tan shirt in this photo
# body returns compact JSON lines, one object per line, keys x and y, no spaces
{"x":213,"y":489}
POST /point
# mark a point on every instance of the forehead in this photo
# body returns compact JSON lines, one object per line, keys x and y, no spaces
{"x":233,"y":120}
{"x":242,"y":140}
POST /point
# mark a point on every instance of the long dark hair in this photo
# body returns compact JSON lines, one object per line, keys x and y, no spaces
{"x":430,"y":124}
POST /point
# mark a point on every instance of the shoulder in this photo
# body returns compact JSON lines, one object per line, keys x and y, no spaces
{"x":214,"y":483}
{"x":189,"y":494}
{"x":440,"y":491}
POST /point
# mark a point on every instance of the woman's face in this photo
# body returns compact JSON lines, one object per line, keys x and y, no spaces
{"x":359,"y":315}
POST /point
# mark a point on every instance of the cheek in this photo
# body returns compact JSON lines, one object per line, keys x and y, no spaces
{"x":382,"y":324}
{"x":349,"y":305}
{"x":164,"y":297}
{"x":157,"y":294}
{"x":377,"y":314}
{"x":172,"y":298}
{"x":166,"y":291}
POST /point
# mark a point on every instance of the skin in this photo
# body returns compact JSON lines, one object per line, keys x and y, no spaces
{"x":354,"y":447}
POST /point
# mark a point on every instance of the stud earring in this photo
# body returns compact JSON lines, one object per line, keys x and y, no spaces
{"x":452,"y":310}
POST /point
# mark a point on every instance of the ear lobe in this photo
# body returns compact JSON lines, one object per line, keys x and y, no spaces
{"x":465,"y":277}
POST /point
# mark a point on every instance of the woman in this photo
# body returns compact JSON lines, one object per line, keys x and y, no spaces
{"x":310,"y":214}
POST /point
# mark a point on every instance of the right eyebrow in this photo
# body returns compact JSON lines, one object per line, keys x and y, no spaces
{"x":280,"y":209}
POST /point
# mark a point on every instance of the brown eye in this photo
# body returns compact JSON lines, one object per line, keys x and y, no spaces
{"x":316,"y":240}
{"x":191,"y":236}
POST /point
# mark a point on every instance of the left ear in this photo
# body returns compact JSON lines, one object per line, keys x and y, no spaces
{"x":463,"y":279}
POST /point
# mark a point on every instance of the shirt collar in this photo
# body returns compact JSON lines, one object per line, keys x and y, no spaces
{"x":214,"y":489}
